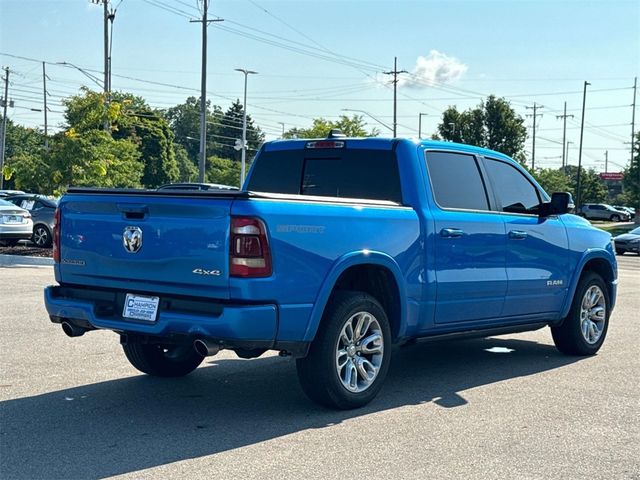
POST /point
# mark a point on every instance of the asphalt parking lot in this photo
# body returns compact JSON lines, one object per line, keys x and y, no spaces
{"x":75,"y":408}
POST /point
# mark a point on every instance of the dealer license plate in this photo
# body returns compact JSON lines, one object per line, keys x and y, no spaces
{"x":139,"y":307}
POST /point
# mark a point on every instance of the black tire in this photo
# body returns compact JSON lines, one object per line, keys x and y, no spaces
{"x":568,"y":336}
{"x":317,"y":372}
{"x":619,"y":251}
{"x":163,"y":361}
{"x":615,"y":218}
{"x":41,"y":236}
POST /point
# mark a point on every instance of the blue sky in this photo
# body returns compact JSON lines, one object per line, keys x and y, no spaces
{"x":458,"y":52}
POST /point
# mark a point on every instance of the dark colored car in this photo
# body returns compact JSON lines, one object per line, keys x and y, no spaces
{"x":197,"y":186}
{"x":628,"y":242}
{"x":42,"y":210}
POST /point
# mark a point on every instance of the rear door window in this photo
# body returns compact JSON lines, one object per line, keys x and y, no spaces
{"x":345,"y":173}
{"x":456,"y":181}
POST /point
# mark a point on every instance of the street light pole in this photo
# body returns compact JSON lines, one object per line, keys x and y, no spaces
{"x":420,"y":123}
{"x":244,"y":124}
{"x":584,"y":101}
{"x":567,"y":154}
{"x":368,"y":115}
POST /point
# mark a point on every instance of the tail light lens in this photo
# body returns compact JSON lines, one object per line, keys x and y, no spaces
{"x":56,"y":236}
{"x":249,"y":254}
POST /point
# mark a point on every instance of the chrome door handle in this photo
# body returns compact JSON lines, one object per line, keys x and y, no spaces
{"x":451,"y":233}
{"x":518,"y":235}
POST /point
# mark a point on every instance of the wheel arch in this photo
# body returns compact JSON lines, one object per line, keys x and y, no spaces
{"x":375,"y":273}
{"x":600,"y":262}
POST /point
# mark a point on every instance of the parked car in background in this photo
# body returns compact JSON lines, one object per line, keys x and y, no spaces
{"x":197,"y":186}
{"x":8,"y":193}
{"x":42,"y":210}
{"x":628,"y":242}
{"x":602,"y":211}
{"x":15,"y":224}
{"x":631,"y":211}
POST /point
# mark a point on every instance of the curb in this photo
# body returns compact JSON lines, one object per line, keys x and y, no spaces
{"x":21,"y":260}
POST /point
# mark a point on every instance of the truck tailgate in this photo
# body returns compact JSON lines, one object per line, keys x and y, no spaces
{"x":155,"y":243}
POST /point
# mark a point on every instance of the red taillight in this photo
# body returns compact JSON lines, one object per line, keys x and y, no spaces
{"x":56,"y":236}
{"x":249,"y":254}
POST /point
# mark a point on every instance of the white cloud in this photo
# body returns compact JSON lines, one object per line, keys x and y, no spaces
{"x":436,"y":67}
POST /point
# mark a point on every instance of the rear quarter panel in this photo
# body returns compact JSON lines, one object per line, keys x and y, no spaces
{"x":312,"y":243}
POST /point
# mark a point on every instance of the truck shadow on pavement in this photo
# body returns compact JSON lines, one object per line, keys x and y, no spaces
{"x":140,"y":422}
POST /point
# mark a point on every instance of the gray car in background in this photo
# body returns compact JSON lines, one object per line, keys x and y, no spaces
{"x":602,"y":211}
{"x":42,"y":210}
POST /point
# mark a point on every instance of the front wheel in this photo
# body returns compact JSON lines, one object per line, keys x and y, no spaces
{"x":348,"y":361}
{"x":583,"y":331}
{"x":163,"y":360}
{"x":615,"y":218}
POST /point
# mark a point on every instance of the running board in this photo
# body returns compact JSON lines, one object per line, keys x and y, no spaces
{"x":484,"y":332}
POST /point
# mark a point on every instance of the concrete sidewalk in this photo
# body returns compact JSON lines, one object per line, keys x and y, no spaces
{"x":23,"y":260}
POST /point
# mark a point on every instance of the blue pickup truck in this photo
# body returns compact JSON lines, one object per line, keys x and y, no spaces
{"x":334,"y":250}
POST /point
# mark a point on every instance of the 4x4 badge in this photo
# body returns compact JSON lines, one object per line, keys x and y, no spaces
{"x":132,"y":239}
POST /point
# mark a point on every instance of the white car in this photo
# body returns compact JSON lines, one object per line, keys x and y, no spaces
{"x":15,"y":224}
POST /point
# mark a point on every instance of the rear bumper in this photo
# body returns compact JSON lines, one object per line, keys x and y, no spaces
{"x":25,"y":235}
{"x":233,"y":325}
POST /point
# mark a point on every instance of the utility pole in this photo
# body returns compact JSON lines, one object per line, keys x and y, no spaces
{"x":533,"y":148}
{"x":584,"y":101}
{"x":5,"y":104}
{"x":420,"y":123}
{"x":606,"y":161}
{"x":107,"y":60}
{"x":633,"y":127}
{"x":395,"y":74}
{"x":203,"y":91}
{"x":633,"y":122}
{"x":44,"y":97}
{"x":243,"y":163}
{"x":564,"y":130}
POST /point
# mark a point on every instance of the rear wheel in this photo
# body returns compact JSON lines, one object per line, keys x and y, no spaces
{"x":162,"y":360}
{"x":348,"y":361}
{"x":583,"y":331}
{"x":41,"y":236}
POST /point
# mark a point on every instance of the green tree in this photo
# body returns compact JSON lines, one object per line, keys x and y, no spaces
{"x":492,"y":124}
{"x":24,"y":151}
{"x":30,"y":172}
{"x":151,"y":132}
{"x":223,"y":170}
{"x":351,"y":126}
{"x":592,"y":188}
{"x":553,"y":180}
{"x":129,"y":117}
{"x":188,"y":171}
{"x":184,"y":120}
{"x":230,"y":130}
{"x":94,"y":159}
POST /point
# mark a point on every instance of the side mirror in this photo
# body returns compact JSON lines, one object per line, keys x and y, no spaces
{"x":561,"y":203}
